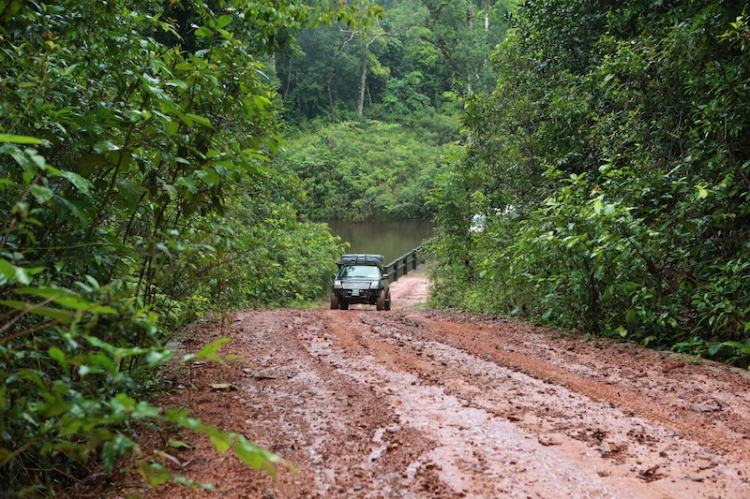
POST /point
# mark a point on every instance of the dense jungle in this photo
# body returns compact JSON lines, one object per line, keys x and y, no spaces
{"x":586,"y":165}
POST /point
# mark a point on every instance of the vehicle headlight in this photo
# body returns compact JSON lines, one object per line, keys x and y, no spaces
{"x":374,"y":284}
{"x":337,"y":285}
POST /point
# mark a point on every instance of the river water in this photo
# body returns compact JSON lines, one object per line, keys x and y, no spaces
{"x":390,"y":239}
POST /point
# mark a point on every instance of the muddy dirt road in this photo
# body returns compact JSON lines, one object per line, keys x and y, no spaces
{"x":423,"y":404}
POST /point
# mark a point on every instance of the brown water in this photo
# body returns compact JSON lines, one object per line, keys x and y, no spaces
{"x":390,"y":239}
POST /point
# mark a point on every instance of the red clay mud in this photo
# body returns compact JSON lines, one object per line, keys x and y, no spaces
{"x":424,"y":404}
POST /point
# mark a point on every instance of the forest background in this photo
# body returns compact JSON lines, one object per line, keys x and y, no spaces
{"x":586,"y":165}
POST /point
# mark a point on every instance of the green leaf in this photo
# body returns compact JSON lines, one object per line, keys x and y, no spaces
{"x":94,"y":341}
{"x":19,"y":139}
{"x":78,"y":303}
{"x":255,"y":154}
{"x":220,"y":442}
{"x":714,"y":348}
{"x":57,"y":407}
{"x":52,"y":313}
{"x":58,"y":355}
{"x":199,"y":119}
{"x":204,"y":32}
{"x":188,"y":184}
{"x":734,"y":344}
{"x":261,"y":102}
{"x":24,"y":274}
{"x":101,"y":360}
{"x":172,"y":128}
{"x":226,"y":164}
{"x":154,"y":473}
{"x":69,"y":70}
{"x":105,"y":146}
{"x":255,"y":457}
{"x":154,"y":358}
{"x":66,"y":298}
{"x":113,"y":449}
{"x":44,"y":292}
{"x":177,"y":444}
{"x":41,"y":193}
{"x":80,"y":183}
{"x":598,"y":206}
{"x":177,"y":83}
{"x":209,"y":351}
{"x":223,"y":21}
{"x":208,"y":176}
{"x":7,"y":270}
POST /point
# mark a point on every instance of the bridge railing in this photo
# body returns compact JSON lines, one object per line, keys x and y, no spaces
{"x":400,"y":266}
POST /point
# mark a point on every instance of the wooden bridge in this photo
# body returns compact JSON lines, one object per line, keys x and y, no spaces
{"x":400,"y":266}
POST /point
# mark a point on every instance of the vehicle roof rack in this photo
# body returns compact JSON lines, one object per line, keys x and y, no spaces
{"x":361,"y":259}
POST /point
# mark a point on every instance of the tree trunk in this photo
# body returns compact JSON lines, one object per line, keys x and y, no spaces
{"x":330,"y":98}
{"x":362,"y":84}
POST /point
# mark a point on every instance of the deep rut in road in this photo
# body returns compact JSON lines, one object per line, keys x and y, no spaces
{"x":413,"y":403}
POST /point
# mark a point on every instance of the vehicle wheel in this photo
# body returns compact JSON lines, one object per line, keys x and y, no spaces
{"x":388,"y":302}
{"x":380,"y":304}
{"x":344,"y":306}
{"x":334,"y":302}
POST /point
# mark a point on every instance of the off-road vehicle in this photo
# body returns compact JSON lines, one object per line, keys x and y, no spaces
{"x":360,"y":279}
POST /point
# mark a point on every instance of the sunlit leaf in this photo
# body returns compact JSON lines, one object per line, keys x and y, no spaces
{"x":220,"y":442}
{"x":105,"y":146}
{"x":19,"y":139}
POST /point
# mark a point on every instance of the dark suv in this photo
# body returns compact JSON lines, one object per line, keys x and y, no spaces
{"x":360,"y":279}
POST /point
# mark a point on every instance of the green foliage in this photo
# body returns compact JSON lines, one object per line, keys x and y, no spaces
{"x":416,"y":53}
{"x":365,"y":170}
{"x":135,"y":195}
{"x":617,"y":137}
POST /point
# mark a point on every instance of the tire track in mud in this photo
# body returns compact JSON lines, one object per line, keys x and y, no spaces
{"x":388,"y":341}
{"x":493,"y":461}
{"x":428,"y":404}
{"x":690,"y":425}
{"x":378,"y":424}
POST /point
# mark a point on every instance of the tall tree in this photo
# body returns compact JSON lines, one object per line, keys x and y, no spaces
{"x":611,"y":163}
{"x":417,"y":53}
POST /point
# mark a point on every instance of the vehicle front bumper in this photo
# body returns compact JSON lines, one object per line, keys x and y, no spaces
{"x":369,"y":296}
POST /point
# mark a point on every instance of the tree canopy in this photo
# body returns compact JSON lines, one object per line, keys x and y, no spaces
{"x":610,"y":169}
{"x":419,"y":54}
{"x":371,"y":108}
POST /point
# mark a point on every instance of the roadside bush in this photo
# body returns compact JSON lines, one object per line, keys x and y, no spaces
{"x":134,"y":192}
{"x":616,"y":135}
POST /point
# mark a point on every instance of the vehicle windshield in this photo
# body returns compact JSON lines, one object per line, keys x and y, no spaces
{"x":359,"y":271}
